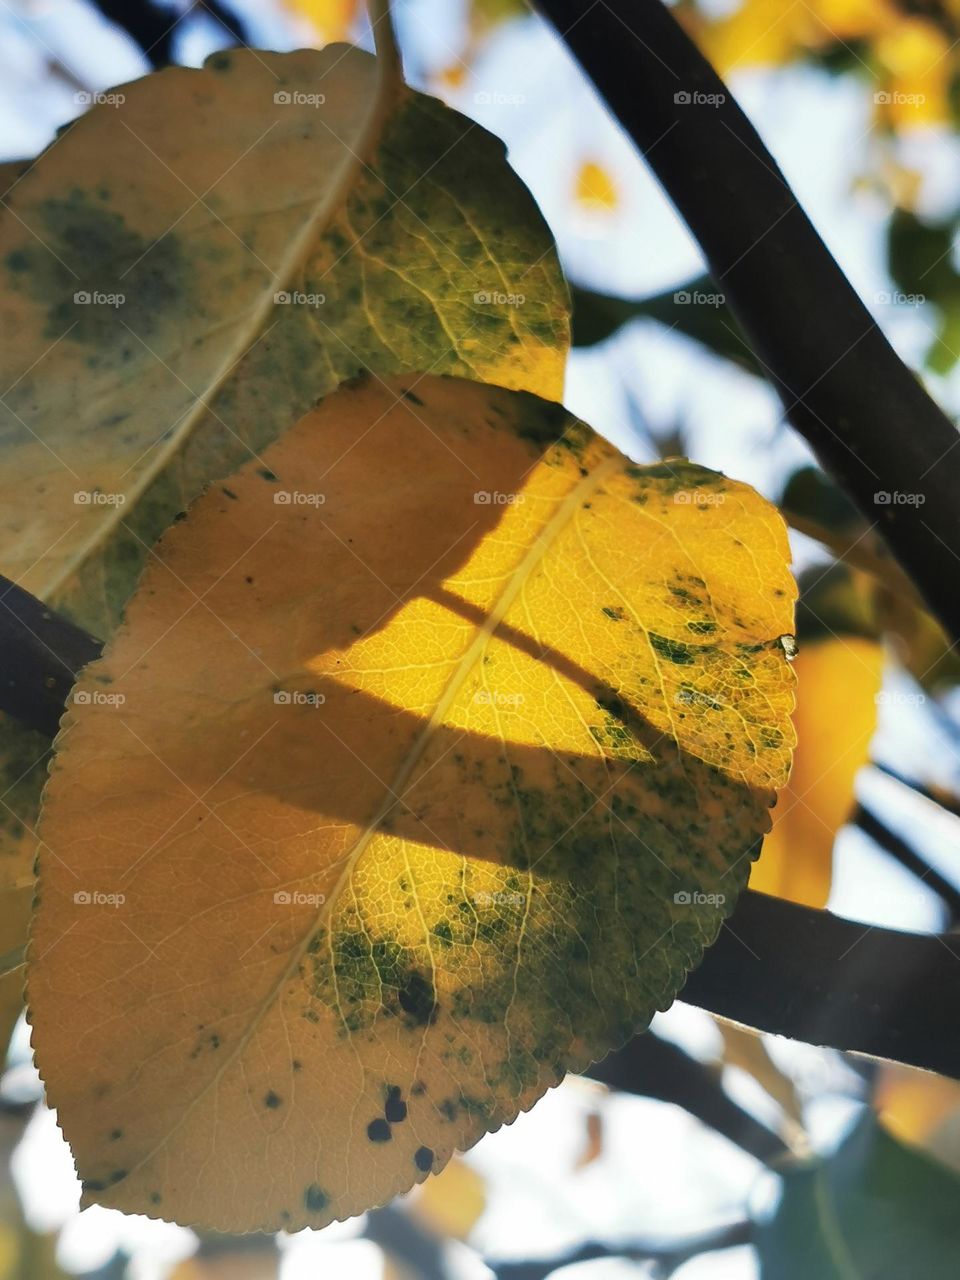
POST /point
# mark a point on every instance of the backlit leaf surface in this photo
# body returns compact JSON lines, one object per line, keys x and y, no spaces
{"x":273,"y":223}
{"x":428,"y":759}
{"x":279,"y":222}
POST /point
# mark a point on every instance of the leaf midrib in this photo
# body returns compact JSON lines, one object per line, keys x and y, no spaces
{"x":388,"y":84}
{"x":565,"y":511}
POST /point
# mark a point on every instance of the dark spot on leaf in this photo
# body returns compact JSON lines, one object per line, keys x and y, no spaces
{"x":379,"y":1131}
{"x":272,"y":1100}
{"x":116,"y":1135}
{"x":266,"y":474}
{"x":418,"y":999}
{"x":423,"y":1159}
{"x":673,"y":650}
{"x":315,"y":1198}
{"x":396,"y":1109}
{"x":414,"y":399}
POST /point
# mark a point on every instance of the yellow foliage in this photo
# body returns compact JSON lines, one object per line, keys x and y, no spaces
{"x":914,"y":1106}
{"x":450,"y":1203}
{"x":446,"y":736}
{"x":911,"y":54}
{"x":332,"y":19}
{"x":595,"y":187}
{"x":836,"y":715}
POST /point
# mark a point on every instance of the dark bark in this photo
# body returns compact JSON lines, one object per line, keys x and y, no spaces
{"x":40,"y":655}
{"x":864,"y":413}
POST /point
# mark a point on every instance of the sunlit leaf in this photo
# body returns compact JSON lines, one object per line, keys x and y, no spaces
{"x":331,"y":19}
{"x":745,"y":1049}
{"x":921,"y":1109}
{"x":450,"y":1203}
{"x":915,"y":54}
{"x":836,"y":715}
{"x":437,"y":795}
{"x":266,"y":244}
{"x":595,"y":187}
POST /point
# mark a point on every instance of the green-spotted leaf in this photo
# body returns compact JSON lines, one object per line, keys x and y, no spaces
{"x":208,"y":251}
{"x":199,"y":258}
{"x":428,"y":759}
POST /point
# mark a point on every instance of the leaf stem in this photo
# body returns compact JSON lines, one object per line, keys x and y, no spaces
{"x":385,"y":37}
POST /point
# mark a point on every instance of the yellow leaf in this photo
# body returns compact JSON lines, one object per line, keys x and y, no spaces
{"x":745,"y":1049}
{"x":836,"y":715}
{"x":595,"y":188}
{"x":916,"y":1106}
{"x":770,"y":33}
{"x":332,"y":19}
{"x":450,"y":1203}
{"x":260,"y":247}
{"x":917,"y":57}
{"x":213,"y":321}
{"x":438,"y":794}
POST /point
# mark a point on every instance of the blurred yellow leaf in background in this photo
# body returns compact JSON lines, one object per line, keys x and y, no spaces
{"x":595,"y":188}
{"x":332,"y":19}
{"x":451,"y":1202}
{"x":836,"y":715}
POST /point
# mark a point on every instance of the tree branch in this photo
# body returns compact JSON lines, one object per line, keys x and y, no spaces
{"x":813,"y":976}
{"x":40,"y":656}
{"x":907,"y":856}
{"x":665,"y":1258}
{"x":655,"y":1068}
{"x":846,"y":391}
